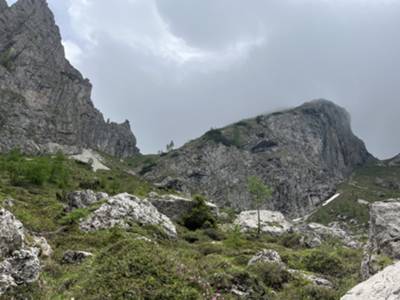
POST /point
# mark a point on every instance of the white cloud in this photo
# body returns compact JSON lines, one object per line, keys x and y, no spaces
{"x":138,"y":24}
{"x":73,"y":52}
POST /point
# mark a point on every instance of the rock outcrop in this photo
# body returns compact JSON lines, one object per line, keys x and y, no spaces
{"x":303,"y":153}
{"x":176,"y":207}
{"x":384,"y":235}
{"x":83,"y":199}
{"x":272,"y":222}
{"x":314,"y":233}
{"x":382,"y":286}
{"x":266,"y":256}
{"x":45,"y":103}
{"x":122,"y":210}
{"x":19,"y":264}
{"x":75,"y":257}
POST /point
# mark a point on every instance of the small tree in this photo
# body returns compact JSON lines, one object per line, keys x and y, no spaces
{"x":260,"y":193}
{"x":170,"y":146}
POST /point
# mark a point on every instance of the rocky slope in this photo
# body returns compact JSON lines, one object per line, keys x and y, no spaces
{"x":303,"y":153}
{"x":45,"y":103}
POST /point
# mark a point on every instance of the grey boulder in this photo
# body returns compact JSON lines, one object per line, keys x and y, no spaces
{"x":82,"y":199}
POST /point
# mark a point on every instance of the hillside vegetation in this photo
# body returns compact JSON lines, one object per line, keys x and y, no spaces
{"x":201,"y":264}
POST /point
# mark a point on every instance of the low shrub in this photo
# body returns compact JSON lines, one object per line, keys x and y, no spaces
{"x":323,"y":262}
{"x":272,"y":274}
{"x":200,"y":216}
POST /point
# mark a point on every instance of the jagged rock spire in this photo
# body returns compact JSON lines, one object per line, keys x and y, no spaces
{"x":45,"y":103}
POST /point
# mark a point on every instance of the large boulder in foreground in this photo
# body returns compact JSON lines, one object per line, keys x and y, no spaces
{"x":382,"y":286}
{"x":124,"y":209}
{"x":272,"y":222}
{"x":19,"y":264}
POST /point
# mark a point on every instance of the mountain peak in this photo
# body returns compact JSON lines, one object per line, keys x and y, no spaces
{"x":43,"y":99}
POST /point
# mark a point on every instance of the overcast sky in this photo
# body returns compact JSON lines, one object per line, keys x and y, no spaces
{"x":176,"y":68}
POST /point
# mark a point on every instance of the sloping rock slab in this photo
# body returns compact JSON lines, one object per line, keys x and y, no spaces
{"x":383,"y":286}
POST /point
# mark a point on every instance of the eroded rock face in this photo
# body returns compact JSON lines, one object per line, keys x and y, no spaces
{"x":19,"y":264}
{"x":314,"y":233}
{"x":303,"y":153}
{"x":45,"y":103}
{"x":176,"y":207}
{"x":272,"y":222}
{"x":382,"y":286}
{"x":384,"y":236}
{"x":124,"y":209}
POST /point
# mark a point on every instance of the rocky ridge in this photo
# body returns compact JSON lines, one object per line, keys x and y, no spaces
{"x":45,"y":103}
{"x":303,"y":153}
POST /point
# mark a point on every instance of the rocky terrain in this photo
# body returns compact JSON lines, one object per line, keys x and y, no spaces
{"x":303,"y":153}
{"x":45,"y":103}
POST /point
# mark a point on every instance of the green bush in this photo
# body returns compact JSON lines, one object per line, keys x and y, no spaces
{"x":272,"y":274}
{"x":308,"y":292}
{"x":74,"y":216}
{"x":218,"y":137}
{"x":200,"y":216}
{"x":325,"y":263}
{"x":235,"y":238}
{"x":36,"y":171}
{"x":318,"y":293}
{"x":291,"y":240}
{"x":137,"y":270}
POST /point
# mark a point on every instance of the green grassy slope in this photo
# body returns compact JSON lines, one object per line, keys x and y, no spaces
{"x":365,"y":184}
{"x":202,"y":264}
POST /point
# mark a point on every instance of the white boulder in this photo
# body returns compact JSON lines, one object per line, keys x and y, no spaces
{"x":124,"y":209}
{"x":272,"y":222}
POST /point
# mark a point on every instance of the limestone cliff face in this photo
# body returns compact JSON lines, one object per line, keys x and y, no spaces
{"x":44,"y":102}
{"x":302,"y":153}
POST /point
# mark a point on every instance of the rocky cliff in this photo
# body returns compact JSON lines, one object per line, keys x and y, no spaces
{"x":303,"y":153}
{"x":45,"y":103}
